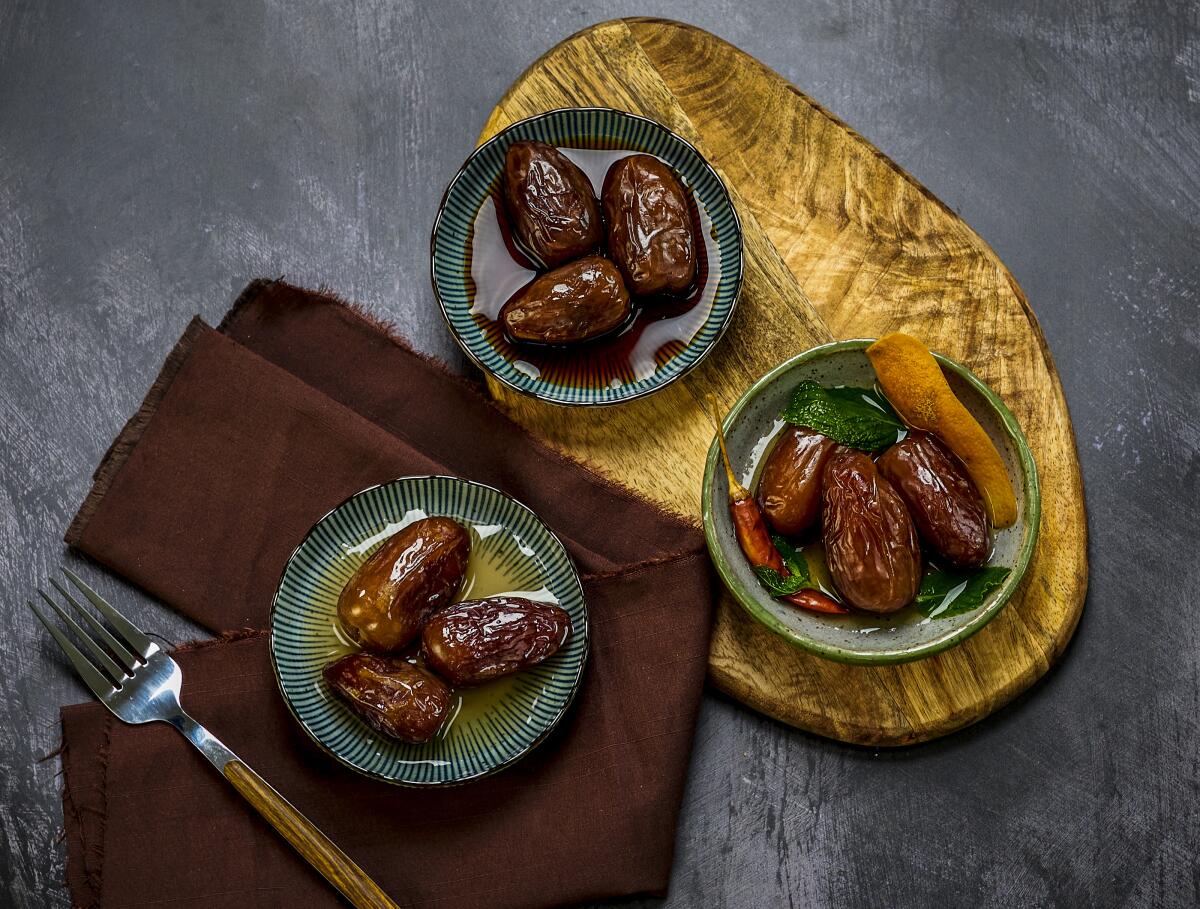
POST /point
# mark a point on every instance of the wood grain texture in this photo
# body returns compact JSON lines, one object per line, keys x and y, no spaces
{"x":840,"y":243}
{"x":318,"y":850}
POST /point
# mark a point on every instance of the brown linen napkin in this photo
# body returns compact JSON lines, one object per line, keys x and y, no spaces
{"x":250,"y":434}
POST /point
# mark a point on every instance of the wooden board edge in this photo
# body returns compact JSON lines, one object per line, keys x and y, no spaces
{"x":868,"y":736}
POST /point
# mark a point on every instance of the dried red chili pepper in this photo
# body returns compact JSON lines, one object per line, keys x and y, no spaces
{"x":754,"y":538}
{"x":815,"y":601}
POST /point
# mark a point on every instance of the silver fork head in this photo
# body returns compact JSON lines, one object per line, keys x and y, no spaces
{"x":127,"y":671}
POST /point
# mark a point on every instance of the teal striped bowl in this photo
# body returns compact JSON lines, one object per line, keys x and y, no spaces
{"x":472,"y":275}
{"x":494,"y":724}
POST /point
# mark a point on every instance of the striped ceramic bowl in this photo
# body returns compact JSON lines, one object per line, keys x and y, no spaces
{"x":474,"y":275}
{"x":494,"y":724}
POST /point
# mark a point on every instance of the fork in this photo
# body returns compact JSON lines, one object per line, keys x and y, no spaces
{"x":140,"y":683}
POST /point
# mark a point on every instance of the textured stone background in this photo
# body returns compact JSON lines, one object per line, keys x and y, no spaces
{"x":154,"y":157}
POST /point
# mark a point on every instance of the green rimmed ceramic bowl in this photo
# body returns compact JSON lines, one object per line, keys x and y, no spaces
{"x":473,"y":275}
{"x":512,"y":551}
{"x":750,"y":428}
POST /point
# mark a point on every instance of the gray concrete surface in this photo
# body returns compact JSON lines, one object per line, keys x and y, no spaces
{"x":156,"y":156}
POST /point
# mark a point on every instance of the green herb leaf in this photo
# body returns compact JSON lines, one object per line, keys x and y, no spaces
{"x":858,"y":417}
{"x":944,"y":593}
{"x":776,"y":582}
{"x":796,"y":563}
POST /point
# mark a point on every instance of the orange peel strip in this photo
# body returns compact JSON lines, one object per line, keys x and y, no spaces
{"x":916,"y":387}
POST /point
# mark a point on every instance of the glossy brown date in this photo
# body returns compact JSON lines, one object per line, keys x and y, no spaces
{"x":478,"y":640}
{"x":789,"y":489}
{"x":870,"y":541}
{"x":943,"y":502}
{"x":551,"y":204}
{"x":574,"y":303}
{"x":392,"y":695}
{"x":415,"y":571}
{"x":650,"y":234}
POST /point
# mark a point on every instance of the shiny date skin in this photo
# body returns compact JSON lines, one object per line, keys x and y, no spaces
{"x":789,"y":489}
{"x":943,"y":502}
{"x":551,"y":204}
{"x":392,"y":695}
{"x":415,"y":572}
{"x":478,"y":640}
{"x":870,"y":542}
{"x":578,"y":302}
{"x":650,"y":234}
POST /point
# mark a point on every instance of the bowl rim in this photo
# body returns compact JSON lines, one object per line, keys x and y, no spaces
{"x":496,"y":768}
{"x":1031,"y":513}
{"x":500,"y":137}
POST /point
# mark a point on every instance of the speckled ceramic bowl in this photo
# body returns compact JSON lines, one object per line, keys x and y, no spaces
{"x":861,"y":638}
{"x":494,"y":724}
{"x":473,"y":276}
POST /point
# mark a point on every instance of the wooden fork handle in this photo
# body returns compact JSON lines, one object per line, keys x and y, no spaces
{"x":316,"y":847}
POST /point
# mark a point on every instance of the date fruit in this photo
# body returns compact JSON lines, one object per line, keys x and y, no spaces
{"x":870,"y":541}
{"x":551,"y":203}
{"x":650,"y":234}
{"x":415,"y":572}
{"x":478,"y":640}
{"x":392,"y":695}
{"x":943,"y":502}
{"x":789,"y":490}
{"x":574,"y":303}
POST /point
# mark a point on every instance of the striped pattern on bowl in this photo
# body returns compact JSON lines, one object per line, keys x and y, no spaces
{"x":512,"y":552}
{"x":596,"y":379}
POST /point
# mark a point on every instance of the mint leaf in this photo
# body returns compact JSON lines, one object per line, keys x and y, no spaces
{"x":796,"y":564}
{"x":858,"y":417}
{"x":945,"y":593}
{"x":779,"y":584}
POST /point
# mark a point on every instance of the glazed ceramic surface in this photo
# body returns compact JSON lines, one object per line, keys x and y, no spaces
{"x":752,"y":426}
{"x":474,"y":274}
{"x":492,"y":725}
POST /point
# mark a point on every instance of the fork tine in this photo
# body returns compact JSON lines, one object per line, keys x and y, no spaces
{"x":130,"y":633}
{"x":92,"y":677}
{"x":128,"y":661}
{"x":116,"y":674}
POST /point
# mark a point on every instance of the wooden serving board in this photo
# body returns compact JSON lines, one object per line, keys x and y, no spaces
{"x":840,"y":243}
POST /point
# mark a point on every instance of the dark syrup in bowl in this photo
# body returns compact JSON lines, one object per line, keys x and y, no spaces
{"x":659,"y":329}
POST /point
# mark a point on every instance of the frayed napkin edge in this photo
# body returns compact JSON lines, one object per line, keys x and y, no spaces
{"x":369,"y":320}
